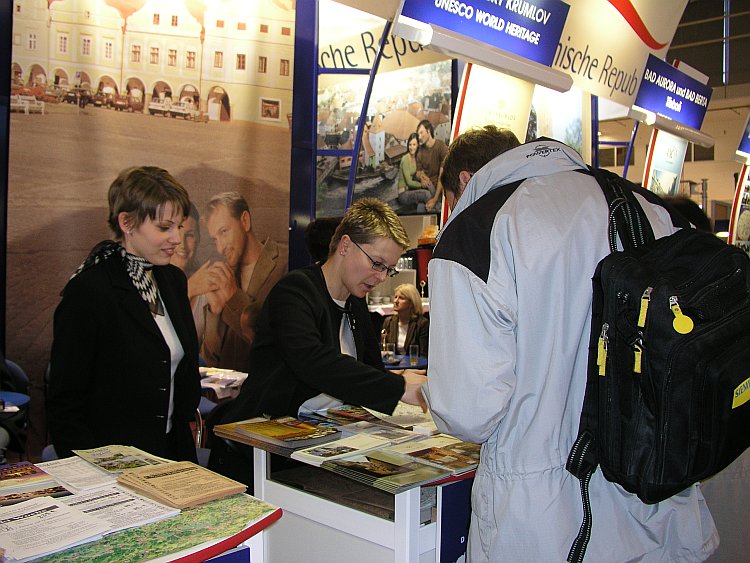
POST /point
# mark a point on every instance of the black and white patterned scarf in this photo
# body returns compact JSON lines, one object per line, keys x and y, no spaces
{"x":139,"y":270}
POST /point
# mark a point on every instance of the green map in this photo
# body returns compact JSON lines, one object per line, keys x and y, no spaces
{"x":208,"y":522}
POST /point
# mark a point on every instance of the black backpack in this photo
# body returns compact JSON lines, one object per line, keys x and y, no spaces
{"x":667,"y":399}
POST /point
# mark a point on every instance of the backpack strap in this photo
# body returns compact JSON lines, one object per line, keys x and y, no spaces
{"x":628,"y":221}
{"x":626,"y":216}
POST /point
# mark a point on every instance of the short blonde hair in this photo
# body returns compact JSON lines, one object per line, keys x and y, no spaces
{"x":410,"y":291}
{"x":368,"y":219}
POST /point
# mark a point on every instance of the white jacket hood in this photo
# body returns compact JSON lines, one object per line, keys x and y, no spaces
{"x":541,"y":157}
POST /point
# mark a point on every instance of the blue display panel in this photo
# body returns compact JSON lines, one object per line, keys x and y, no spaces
{"x":745,"y":141}
{"x":530,"y":30}
{"x":667,"y":91}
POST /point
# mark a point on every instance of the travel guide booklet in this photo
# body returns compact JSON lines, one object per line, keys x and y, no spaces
{"x":349,"y":446}
{"x":386,"y":470}
{"x":23,"y":481}
{"x":442,"y":451}
{"x":286,"y":432}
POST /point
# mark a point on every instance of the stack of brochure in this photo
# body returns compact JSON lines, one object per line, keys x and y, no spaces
{"x":180,"y":484}
{"x":397,"y":466}
{"x":286,"y":431}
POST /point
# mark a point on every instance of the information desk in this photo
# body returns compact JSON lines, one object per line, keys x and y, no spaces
{"x":320,"y":529}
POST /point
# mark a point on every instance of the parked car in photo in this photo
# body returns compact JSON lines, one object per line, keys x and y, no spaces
{"x":135,"y":103}
{"x":160,"y":106}
{"x":120,"y":103}
{"x":80,"y":96}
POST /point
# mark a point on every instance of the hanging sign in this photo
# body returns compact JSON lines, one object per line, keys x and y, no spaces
{"x":739,"y":222}
{"x":530,"y":30}
{"x":743,"y":151}
{"x":666,"y":90}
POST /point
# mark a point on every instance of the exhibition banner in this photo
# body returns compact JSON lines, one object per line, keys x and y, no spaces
{"x":530,"y":30}
{"x":609,"y":60}
{"x":743,"y":150}
{"x":667,"y":91}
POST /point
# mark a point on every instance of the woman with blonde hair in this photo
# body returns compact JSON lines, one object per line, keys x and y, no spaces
{"x":315,"y":346}
{"x":407,"y":325}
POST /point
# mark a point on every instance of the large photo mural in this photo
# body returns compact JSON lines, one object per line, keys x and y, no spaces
{"x":200,"y":88}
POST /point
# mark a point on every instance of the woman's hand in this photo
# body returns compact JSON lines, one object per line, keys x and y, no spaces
{"x":414,"y":378}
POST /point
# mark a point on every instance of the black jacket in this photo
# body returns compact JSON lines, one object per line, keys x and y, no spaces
{"x":296,"y":354}
{"x":417,"y":333}
{"x":110,"y":365}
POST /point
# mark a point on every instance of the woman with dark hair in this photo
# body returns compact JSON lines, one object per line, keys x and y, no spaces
{"x":410,"y":190}
{"x":124,"y":364}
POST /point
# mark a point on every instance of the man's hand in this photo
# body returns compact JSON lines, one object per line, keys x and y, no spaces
{"x":199,"y":282}
{"x":413,"y":390}
{"x":215,"y":302}
{"x":222,"y":277}
{"x":429,"y":205}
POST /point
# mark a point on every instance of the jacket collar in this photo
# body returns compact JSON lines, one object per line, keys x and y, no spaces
{"x":541,"y":157}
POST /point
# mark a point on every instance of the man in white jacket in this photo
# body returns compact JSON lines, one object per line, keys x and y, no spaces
{"x":510,"y":300}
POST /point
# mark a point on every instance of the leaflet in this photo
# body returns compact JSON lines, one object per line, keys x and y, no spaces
{"x":45,"y":525}
{"x":77,"y":474}
{"x":120,"y":507}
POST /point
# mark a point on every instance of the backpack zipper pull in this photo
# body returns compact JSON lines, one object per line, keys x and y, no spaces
{"x":681,"y":323}
{"x":645,"y":300}
{"x":601,"y":355}
{"x":638,"y":351}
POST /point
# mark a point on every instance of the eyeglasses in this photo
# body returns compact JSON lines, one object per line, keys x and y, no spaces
{"x":378,"y":266}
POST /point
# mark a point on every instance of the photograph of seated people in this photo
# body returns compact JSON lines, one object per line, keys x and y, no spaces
{"x":235,"y":287}
{"x":186,"y":259}
{"x":407,"y":325}
{"x":315,"y":346}
{"x":430,"y":156}
{"x":410,"y":189}
{"x":124,"y":362}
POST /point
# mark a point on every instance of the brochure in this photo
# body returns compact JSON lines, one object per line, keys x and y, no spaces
{"x":119,"y":507}
{"x":116,"y":459}
{"x":386,"y":470}
{"x":44,"y":525}
{"x":23,"y":481}
{"x":77,"y":474}
{"x":352,"y":445}
{"x":442,"y":451}
{"x":286,"y":431}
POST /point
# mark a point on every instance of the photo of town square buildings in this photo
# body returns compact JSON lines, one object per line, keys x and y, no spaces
{"x":200,"y":88}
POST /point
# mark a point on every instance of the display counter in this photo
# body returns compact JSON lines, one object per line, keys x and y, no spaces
{"x":328,"y":517}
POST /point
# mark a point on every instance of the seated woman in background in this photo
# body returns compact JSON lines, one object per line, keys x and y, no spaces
{"x":407,"y":325}
{"x":124,"y":363}
{"x":410,"y":190}
{"x":315,"y":346}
